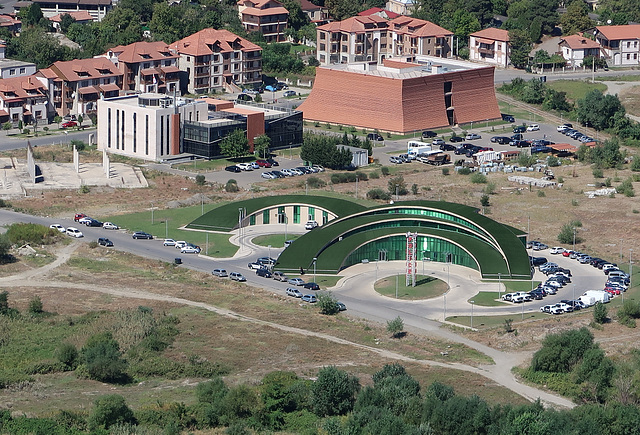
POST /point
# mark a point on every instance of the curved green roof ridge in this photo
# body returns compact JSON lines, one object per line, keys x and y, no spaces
{"x":225,"y":217}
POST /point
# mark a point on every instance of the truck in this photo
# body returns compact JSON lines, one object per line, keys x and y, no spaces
{"x":424,"y":156}
{"x":415,"y":147}
{"x":591,"y":297}
{"x":438,"y":159}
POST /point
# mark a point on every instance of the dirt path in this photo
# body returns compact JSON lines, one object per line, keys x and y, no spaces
{"x":499,"y":373}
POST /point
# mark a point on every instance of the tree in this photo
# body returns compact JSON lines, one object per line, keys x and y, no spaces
{"x":261,"y":145}
{"x":328,"y":303}
{"x":576,"y":19}
{"x":600,"y":313}
{"x":200,"y":180}
{"x":35,"y":305}
{"x":4,"y":303}
{"x":34,"y":45}
{"x":334,"y":392}
{"x":567,"y":232}
{"x":598,"y":110}
{"x":342,"y":9}
{"x":31,"y":15}
{"x":65,"y":22}
{"x":561,"y":352}
{"x":67,"y":354}
{"x":235,"y":144}
{"x":101,"y":354}
{"x":520,"y":43}
{"x":395,"y":327}
{"x":110,"y":410}
{"x":397,"y":186}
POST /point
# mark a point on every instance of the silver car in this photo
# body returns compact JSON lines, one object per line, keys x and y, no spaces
{"x":237,"y":276}
{"x":219,"y":272}
{"x":296,"y":281}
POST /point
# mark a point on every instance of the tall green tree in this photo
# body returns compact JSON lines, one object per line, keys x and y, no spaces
{"x":110,"y":410}
{"x":598,"y":110}
{"x":103,"y":359}
{"x":261,"y":145}
{"x":235,"y":144}
{"x":520,"y":47}
{"x":576,"y":19}
{"x":334,"y":392}
{"x":343,"y":9}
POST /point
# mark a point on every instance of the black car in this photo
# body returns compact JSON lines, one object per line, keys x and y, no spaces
{"x":94,"y":223}
{"x":519,"y":129}
{"x":537,"y":261}
{"x":460,"y":150}
{"x":278,"y":174}
{"x":142,"y":235}
{"x":508,"y":118}
{"x":233,"y":168}
{"x":311,"y":286}
{"x":502,"y":140}
{"x":375,"y":136}
{"x":471,"y":151}
{"x":103,"y":241}
{"x":517,"y":136}
{"x":265,"y":273}
{"x":447,"y":147}
{"x":456,"y":139}
{"x":245,"y":97}
{"x":429,"y":134}
{"x":273,"y":162}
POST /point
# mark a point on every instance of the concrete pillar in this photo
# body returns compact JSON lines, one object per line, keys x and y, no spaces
{"x":31,"y":163}
{"x":106,"y":163}
{"x":76,"y":160}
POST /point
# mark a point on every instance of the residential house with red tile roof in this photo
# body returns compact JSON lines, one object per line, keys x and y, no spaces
{"x":402,"y":97}
{"x":268,"y":17}
{"x":575,"y":48}
{"x":96,"y":8}
{"x":80,"y":17}
{"x":619,"y":43}
{"x":373,"y":38}
{"x":76,"y":85}
{"x":317,"y":14}
{"x":11,"y":23}
{"x":490,"y":46}
{"x":23,"y":99}
{"x":218,"y":59}
{"x":146,"y":67}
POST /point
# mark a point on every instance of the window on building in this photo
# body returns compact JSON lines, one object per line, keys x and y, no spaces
{"x":22,"y":70}
{"x":312,"y":214}
{"x":323,"y":36}
{"x":122,"y":130}
{"x":216,"y":58}
{"x":265,"y":217}
{"x":322,"y":47}
{"x":161,"y":135}
{"x":168,"y":137}
{"x":322,"y":58}
{"x":628,"y":56}
{"x":296,"y":214}
{"x":628,"y":44}
{"x":635,"y":56}
{"x":117,"y":129}
{"x":188,"y":58}
{"x":12,"y":72}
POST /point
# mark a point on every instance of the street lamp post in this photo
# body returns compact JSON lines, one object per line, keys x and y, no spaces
{"x":472,"y":302}
{"x":630,"y":268}
{"x":574,"y":238}
{"x":314,"y":268}
{"x":397,"y":285}
{"x":240,"y":227}
{"x":269,"y":248}
{"x":499,"y":284}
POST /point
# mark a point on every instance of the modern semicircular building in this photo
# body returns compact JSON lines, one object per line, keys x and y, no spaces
{"x":350,"y":233}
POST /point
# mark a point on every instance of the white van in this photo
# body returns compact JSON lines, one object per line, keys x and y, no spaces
{"x":417,"y":144}
{"x":588,"y":301}
{"x":598,"y":295}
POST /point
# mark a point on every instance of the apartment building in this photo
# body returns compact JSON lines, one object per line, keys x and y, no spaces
{"x":146,"y":67}
{"x":490,"y":46}
{"x":268,"y":17}
{"x":218,"y":59}
{"x":23,"y":99}
{"x":75,"y":86}
{"x":98,"y":9}
{"x":373,"y":38}
{"x":619,"y":43}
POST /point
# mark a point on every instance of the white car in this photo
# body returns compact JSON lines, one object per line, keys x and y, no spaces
{"x":268,"y":175}
{"x":169,"y":242}
{"x":74,"y":232}
{"x":556,"y":250}
{"x":180,"y":244}
{"x":562,"y":128}
{"x":85,"y":220}
{"x":310,"y":225}
{"x":254,"y":165}
{"x":245,"y":166}
{"x":294,"y":292}
{"x":58,"y":227}
{"x":318,"y":168}
{"x":189,"y":250}
{"x":533,"y":127}
{"x":110,"y":226}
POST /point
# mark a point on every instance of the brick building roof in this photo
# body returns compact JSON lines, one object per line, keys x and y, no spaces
{"x":84,"y":69}
{"x":17,"y":88}
{"x":202,"y":42}
{"x":492,"y":33}
{"x":356,"y":24}
{"x":79,"y":16}
{"x":306,"y":5}
{"x":374,"y":11}
{"x":393,"y":103}
{"x":416,"y":27}
{"x":578,"y":42}
{"x":143,"y":51}
{"x":612,"y":33}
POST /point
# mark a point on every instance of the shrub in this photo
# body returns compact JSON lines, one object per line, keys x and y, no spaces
{"x":362,"y":176}
{"x":574,"y":202}
{"x":26,"y":131}
{"x":35,"y":305}
{"x":328,"y":303}
{"x":478,"y":178}
{"x":334,"y":392}
{"x":103,"y":359}
{"x":541,"y":194}
{"x":445,"y":171}
{"x":200,"y":180}
{"x":374,"y":175}
{"x":464,"y":171}
{"x":21,"y":233}
{"x":600,"y":313}
{"x":635,"y":163}
{"x":378,"y":194}
{"x":80,"y":145}
{"x":626,"y":188}
{"x":553,"y":161}
{"x":231,"y":186}
{"x":597,"y":173}
{"x":414,"y":189}
{"x":484,"y":200}
{"x":315,"y":182}
{"x":84,"y":189}
{"x":395,"y":327}
{"x":397,"y":186}
{"x":490,"y":188}
{"x":67,"y":354}
{"x":110,"y":410}
{"x":384,"y":170}
{"x":93,"y":244}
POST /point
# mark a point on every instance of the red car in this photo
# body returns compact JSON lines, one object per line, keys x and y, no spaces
{"x":79,"y":216}
{"x":69,"y":124}
{"x":612,"y":290}
{"x":566,"y":253}
{"x":263,"y":163}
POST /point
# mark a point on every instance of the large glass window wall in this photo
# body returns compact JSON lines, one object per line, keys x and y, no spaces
{"x":395,"y":248}
{"x":432,"y":213}
{"x":412,"y":223}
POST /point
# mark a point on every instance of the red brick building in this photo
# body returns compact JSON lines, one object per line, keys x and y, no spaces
{"x":402,"y":97}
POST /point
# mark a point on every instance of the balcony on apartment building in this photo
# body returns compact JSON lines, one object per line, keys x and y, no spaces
{"x":485,"y":49}
{"x":201,"y":72}
{"x":201,"y":61}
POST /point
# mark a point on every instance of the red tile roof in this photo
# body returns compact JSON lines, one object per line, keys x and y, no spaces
{"x":143,"y":52}
{"x":201,"y":43}
{"x":76,"y":15}
{"x":265,"y":12}
{"x":397,"y":104}
{"x":577,"y":42}
{"x":416,"y":27}
{"x":612,"y":33}
{"x":85,"y":69}
{"x":372,"y":11}
{"x":16,"y":88}
{"x":306,"y":5}
{"x":355,"y":24}
{"x":492,"y":33}
{"x":398,"y":64}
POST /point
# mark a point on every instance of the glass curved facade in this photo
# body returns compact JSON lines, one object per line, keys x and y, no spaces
{"x":412,"y":223}
{"x":395,"y":248}
{"x":433,"y":213}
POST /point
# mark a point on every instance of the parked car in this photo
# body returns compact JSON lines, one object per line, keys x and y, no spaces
{"x":273,"y":162}
{"x":269,"y":175}
{"x":265,"y":273}
{"x":473,"y":136}
{"x":245,"y":166}
{"x":263,"y":163}
{"x":341,"y":306}
{"x":310,"y":298}
{"x":84,"y":220}
{"x":93,"y":223}
{"x":533,"y":127}
{"x":311,"y":286}
{"x":266,"y":260}
{"x":517,"y":136}
{"x":556,"y":250}
{"x":255,"y":266}
{"x":78,"y":216}
{"x":289,"y":94}
{"x":245,"y":97}
{"x":233,"y":168}
{"x":310,"y":225}
{"x":396,"y":160}
{"x":295,"y":281}
{"x":293,"y":292}
{"x":456,"y":139}
{"x":502,"y":140}
{"x":110,"y":226}
{"x":519,"y":129}
{"x":189,"y":250}
{"x":237,"y":276}
{"x":58,"y":227}
{"x":141,"y":235}
{"x":74,"y":232}
{"x":375,"y":136}
{"x":169,"y":242}
{"x":447,"y":147}
{"x":429,"y":134}
{"x":280,"y":276}
{"x":222,"y":273}
{"x":69,"y":124}
{"x":180,"y":244}
{"x":508,"y":118}
{"x":103,"y":241}
{"x":437,"y":142}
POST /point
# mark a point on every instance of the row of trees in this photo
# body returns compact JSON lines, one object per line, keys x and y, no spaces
{"x":336,"y":403}
{"x":320,"y":149}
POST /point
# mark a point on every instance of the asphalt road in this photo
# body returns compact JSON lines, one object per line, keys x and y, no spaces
{"x":11,"y":143}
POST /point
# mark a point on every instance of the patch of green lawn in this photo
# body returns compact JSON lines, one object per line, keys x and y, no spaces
{"x":618,"y":78}
{"x":427,"y":287}
{"x":575,"y":89}
{"x":486,"y":322}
